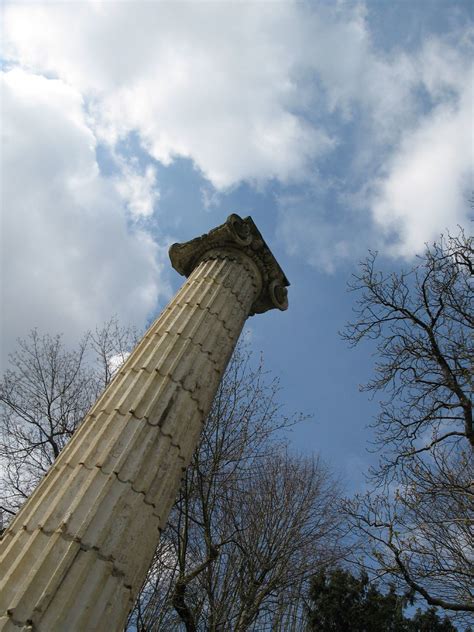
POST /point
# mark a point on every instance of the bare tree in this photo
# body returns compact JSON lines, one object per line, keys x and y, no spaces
{"x":110,"y":346}
{"x":249,"y":526}
{"x":250,"y":522}
{"x":418,"y":519}
{"x":44,"y":395}
{"x":291,"y":526}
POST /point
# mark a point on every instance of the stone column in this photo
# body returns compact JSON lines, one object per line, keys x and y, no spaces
{"x":77,"y":553}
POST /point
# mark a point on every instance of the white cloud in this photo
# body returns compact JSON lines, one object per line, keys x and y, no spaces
{"x":210,"y":82}
{"x":138,"y":191}
{"x":427,"y":185}
{"x":261,"y":91}
{"x":68,"y":258}
{"x":427,"y":182}
{"x":414,"y":158}
{"x":338,"y":47}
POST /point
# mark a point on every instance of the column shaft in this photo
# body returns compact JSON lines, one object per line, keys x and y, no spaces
{"x":77,"y":553}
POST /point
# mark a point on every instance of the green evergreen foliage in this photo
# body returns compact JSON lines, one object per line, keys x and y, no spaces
{"x":341,"y":602}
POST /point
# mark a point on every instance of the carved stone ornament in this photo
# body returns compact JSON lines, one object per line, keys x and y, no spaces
{"x":241,"y":235}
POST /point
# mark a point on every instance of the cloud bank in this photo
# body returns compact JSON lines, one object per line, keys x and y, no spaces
{"x":210,"y":82}
{"x":361,"y":141}
{"x":71,"y":259}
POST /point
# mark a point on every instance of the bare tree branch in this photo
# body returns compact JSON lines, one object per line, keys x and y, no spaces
{"x":418,"y":521}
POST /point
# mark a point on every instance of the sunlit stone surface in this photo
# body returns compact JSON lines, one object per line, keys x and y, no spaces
{"x":77,"y":553}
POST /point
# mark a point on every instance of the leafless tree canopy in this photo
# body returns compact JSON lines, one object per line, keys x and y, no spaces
{"x":249,"y":526}
{"x":44,"y":395}
{"x":251,"y":522}
{"x":418,"y":519}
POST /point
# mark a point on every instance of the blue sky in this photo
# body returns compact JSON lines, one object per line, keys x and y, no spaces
{"x":339,"y":126}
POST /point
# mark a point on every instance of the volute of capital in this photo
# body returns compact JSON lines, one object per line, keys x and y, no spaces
{"x":243,"y":235}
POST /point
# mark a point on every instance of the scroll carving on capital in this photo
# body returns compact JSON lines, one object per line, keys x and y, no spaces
{"x":237,"y":234}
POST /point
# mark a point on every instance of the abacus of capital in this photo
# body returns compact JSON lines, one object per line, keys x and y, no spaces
{"x":76,"y":554}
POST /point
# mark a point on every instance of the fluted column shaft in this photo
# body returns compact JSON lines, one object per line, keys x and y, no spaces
{"x":77,"y":553}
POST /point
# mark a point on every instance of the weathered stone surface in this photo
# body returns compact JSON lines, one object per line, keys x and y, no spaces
{"x":77,"y":553}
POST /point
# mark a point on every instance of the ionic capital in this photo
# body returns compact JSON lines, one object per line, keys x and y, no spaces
{"x":237,"y":235}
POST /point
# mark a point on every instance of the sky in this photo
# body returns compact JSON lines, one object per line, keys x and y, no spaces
{"x":127,"y":126}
